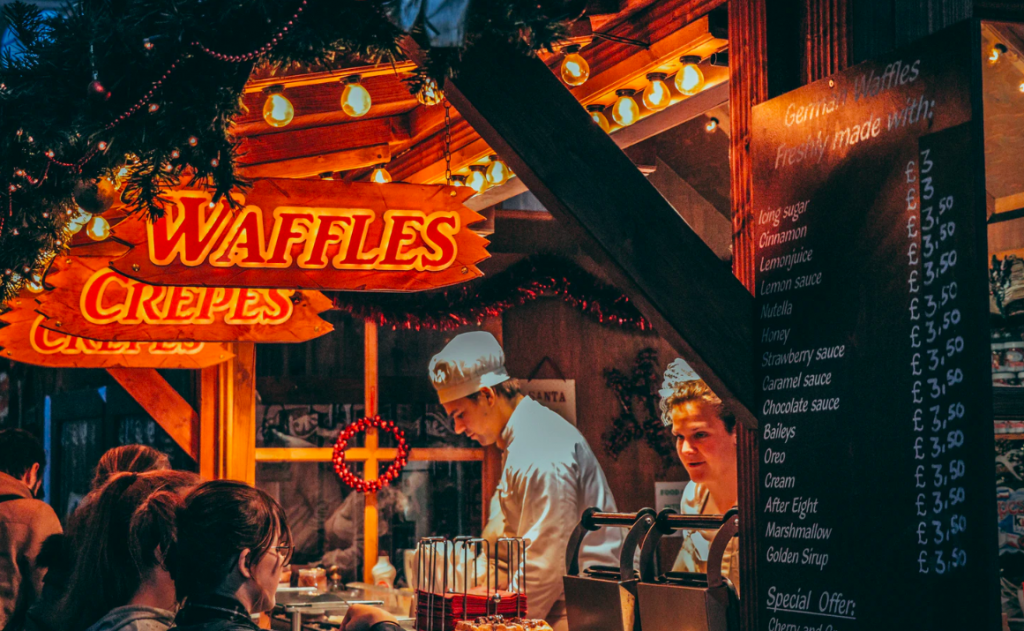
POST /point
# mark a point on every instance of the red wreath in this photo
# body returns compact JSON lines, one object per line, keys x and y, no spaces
{"x":354,"y":481}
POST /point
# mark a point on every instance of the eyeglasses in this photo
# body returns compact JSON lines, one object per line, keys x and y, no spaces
{"x":283,"y":552}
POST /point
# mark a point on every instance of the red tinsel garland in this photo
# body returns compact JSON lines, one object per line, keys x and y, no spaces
{"x":392,"y":472}
{"x":524,"y":282}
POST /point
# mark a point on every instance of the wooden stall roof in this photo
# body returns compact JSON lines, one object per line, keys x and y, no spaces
{"x":409,"y":137}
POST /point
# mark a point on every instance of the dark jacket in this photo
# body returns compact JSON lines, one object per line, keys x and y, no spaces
{"x":25,"y":524}
{"x":214,"y":613}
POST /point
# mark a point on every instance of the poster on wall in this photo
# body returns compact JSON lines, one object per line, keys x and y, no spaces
{"x":558,"y":395}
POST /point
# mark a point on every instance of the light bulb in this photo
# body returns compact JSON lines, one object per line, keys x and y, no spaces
{"x":79,"y":220}
{"x":477,"y":179}
{"x":458,"y":180}
{"x":711,"y":125}
{"x":429,"y":94}
{"x":690,"y":78}
{"x":355,"y":99}
{"x":98,"y":229}
{"x":656,"y":95}
{"x":35,"y":284}
{"x":497,"y":172}
{"x":380,"y":175}
{"x":277,"y":109}
{"x":597,"y":115}
{"x":625,"y":111}
{"x":996,"y":53}
{"x":575,"y":69}
{"x":1021,"y":87}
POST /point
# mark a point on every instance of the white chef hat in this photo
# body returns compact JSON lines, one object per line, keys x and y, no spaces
{"x":677,"y":373}
{"x":470,"y":362}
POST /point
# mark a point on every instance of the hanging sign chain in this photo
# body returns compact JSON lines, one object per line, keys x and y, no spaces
{"x":447,"y":142}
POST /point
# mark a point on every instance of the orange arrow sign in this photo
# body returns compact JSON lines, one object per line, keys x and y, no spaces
{"x":305,"y":234}
{"x":24,"y":340}
{"x":91,"y":300}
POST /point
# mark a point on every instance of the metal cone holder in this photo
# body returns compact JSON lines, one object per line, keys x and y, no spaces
{"x":684,"y":601}
{"x":435,"y":606}
{"x":605,"y":598}
{"x":516,"y":572}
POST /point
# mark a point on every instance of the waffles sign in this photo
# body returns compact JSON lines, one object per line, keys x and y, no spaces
{"x":309,"y":235}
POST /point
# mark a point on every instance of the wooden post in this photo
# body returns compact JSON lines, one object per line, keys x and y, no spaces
{"x":207,"y":388}
{"x":748,"y":85}
{"x":370,"y":469}
{"x":227,"y":424}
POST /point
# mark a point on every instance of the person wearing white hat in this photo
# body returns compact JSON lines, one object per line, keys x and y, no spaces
{"x":549,"y":474}
{"x":705,"y":436}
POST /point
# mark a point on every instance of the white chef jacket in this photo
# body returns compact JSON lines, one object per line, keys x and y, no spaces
{"x":549,"y":477}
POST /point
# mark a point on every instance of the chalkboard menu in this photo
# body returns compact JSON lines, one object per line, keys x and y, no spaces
{"x":876,"y":472}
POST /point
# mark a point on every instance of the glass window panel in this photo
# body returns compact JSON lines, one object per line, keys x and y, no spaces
{"x":326,"y":517}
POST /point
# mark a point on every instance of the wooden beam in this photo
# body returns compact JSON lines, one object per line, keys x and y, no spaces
{"x":625,"y":137}
{"x":318,"y":104}
{"x":697,"y":212}
{"x":323,"y":390}
{"x":614,"y":65}
{"x":310,"y":166}
{"x":303,"y":79}
{"x":272,"y":148}
{"x":162,"y":402}
{"x":603,"y":201}
{"x":325,"y":454}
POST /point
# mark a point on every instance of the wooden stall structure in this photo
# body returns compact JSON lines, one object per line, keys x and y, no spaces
{"x":581,"y":166}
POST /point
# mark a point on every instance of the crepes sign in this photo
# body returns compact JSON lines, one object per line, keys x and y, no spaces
{"x":301,"y":234}
{"x":24,"y":339}
{"x":88,"y":299}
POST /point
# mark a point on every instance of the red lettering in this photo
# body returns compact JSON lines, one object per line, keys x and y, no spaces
{"x":315,"y":255}
{"x":91,"y":300}
{"x":243,"y":244}
{"x":285,"y":235}
{"x":354,"y":257}
{"x":41,"y":342}
{"x":241,"y":314}
{"x":187,"y":233}
{"x":396,"y":236}
{"x":142,"y":304}
{"x":439,"y":235}
{"x":179,"y":297}
{"x":281,"y":299}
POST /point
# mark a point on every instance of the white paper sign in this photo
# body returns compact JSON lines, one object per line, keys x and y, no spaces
{"x":668,"y":495}
{"x":558,"y":395}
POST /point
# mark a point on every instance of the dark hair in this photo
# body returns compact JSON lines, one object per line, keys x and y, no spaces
{"x":508,"y":389}
{"x":217,"y":521}
{"x":132,"y":516}
{"x":128,"y":458}
{"x":19,"y":450}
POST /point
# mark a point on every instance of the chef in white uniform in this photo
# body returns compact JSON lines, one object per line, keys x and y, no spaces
{"x":549,"y":473}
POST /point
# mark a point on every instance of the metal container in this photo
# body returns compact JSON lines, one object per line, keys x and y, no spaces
{"x":681,"y":601}
{"x":604,"y":598}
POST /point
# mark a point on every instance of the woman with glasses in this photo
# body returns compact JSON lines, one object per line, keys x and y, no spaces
{"x":233,"y":543}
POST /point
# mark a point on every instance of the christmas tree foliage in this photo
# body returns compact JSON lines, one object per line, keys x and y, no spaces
{"x":131,"y":97}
